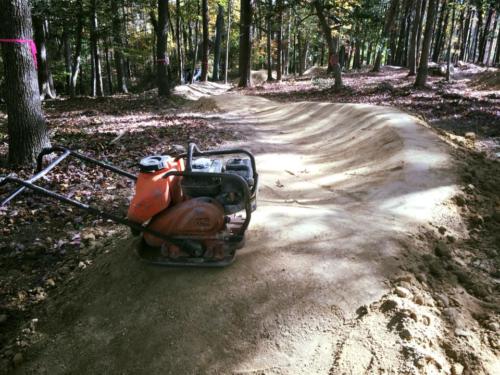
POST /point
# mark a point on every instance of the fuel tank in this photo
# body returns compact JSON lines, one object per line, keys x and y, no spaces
{"x":153,"y":193}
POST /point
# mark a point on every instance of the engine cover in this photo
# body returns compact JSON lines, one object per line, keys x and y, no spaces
{"x":201,"y":216}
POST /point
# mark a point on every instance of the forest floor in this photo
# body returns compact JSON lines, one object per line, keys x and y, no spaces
{"x":386,"y":260}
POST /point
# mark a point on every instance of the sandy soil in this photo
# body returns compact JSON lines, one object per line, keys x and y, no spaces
{"x":320,"y":286}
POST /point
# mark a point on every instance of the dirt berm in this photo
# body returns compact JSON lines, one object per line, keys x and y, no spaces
{"x":343,"y":189}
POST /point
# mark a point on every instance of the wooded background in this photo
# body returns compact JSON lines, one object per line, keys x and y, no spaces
{"x":98,"y":48}
{"x":92,"y":47}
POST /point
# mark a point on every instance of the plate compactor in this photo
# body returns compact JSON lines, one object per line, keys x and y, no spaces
{"x":191,"y":209}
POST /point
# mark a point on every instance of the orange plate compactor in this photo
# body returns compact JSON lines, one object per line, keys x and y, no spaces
{"x":191,"y":210}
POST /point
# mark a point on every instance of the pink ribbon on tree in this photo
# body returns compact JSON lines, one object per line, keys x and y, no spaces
{"x":29,"y":42}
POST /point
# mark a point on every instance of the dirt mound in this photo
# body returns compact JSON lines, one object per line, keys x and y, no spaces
{"x":489,"y":80}
{"x":201,"y":89}
{"x":316,"y":71}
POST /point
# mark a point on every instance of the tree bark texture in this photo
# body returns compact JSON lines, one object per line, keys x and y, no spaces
{"x":333,"y":56}
{"x":279,"y":41}
{"x":161,"y":49}
{"x":45,"y":81}
{"x":484,"y":36}
{"x":75,"y":66}
{"x":389,"y":20}
{"x":441,"y":26}
{"x":245,"y":56}
{"x":121,"y":81}
{"x":94,"y":41}
{"x":26,"y":128}
{"x":204,"y":53}
{"x":219,"y":30}
{"x":421,"y":79}
{"x":228,"y":39}
{"x":178,"y":40}
{"x":412,"y":57}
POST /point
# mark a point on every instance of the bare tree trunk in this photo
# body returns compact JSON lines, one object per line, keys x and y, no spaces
{"x":268,"y":41}
{"x":478,"y":33}
{"x":440,"y":31}
{"x":118,"y":46}
{"x":448,"y":63}
{"x":484,"y":35}
{"x":161,"y":49}
{"x":228,"y":38}
{"x":219,"y":30}
{"x":75,"y":66}
{"x":67,"y":59}
{"x":421,"y":79}
{"x":465,"y":34}
{"x":333,"y":56}
{"x":94,"y":40}
{"x":246,"y":16}
{"x":420,"y":30}
{"x":389,"y":20}
{"x":109,"y":76}
{"x":369,"y":53}
{"x":496,"y":60}
{"x":178,"y":38}
{"x":204,"y":55}
{"x":279,"y":41}
{"x":492,"y":38}
{"x":412,"y":58}
{"x":44,"y":74}
{"x":398,"y":59}
{"x":26,"y":128}
{"x":195,"y":54}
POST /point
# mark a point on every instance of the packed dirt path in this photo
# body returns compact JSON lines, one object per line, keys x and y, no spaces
{"x":341,"y":189}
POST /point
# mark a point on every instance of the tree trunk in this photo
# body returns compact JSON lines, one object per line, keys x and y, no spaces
{"x":369,"y":53}
{"x":484,"y":36}
{"x":67,"y":59}
{"x":94,"y":41}
{"x":44,"y":74}
{"x":121,"y":81}
{"x":333,"y":56}
{"x":75,"y":66}
{"x":357,"y":55}
{"x":204,"y":54}
{"x":412,"y":57}
{"x":219,"y":30}
{"x":303,"y":50}
{"x":228,"y":38}
{"x":246,"y":15}
{"x":279,"y":41}
{"x":400,"y":49}
{"x":421,"y":79}
{"x":478,"y":33}
{"x":195,"y":53}
{"x":448,"y":63}
{"x":440,"y":31}
{"x":492,"y":38}
{"x":465,"y":35}
{"x":109,"y":76}
{"x":389,"y":21}
{"x":268,"y":41}
{"x":161,"y":49}
{"x":26,"y":128}
{"x":420,"y":30}
{"x":496,"y":60}
{"x":178,"y":40}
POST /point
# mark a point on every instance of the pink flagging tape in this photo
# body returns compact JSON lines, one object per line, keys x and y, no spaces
{"x":29,"y":42}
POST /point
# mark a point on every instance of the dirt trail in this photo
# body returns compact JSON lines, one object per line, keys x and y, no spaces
{"x":342,"y":186}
